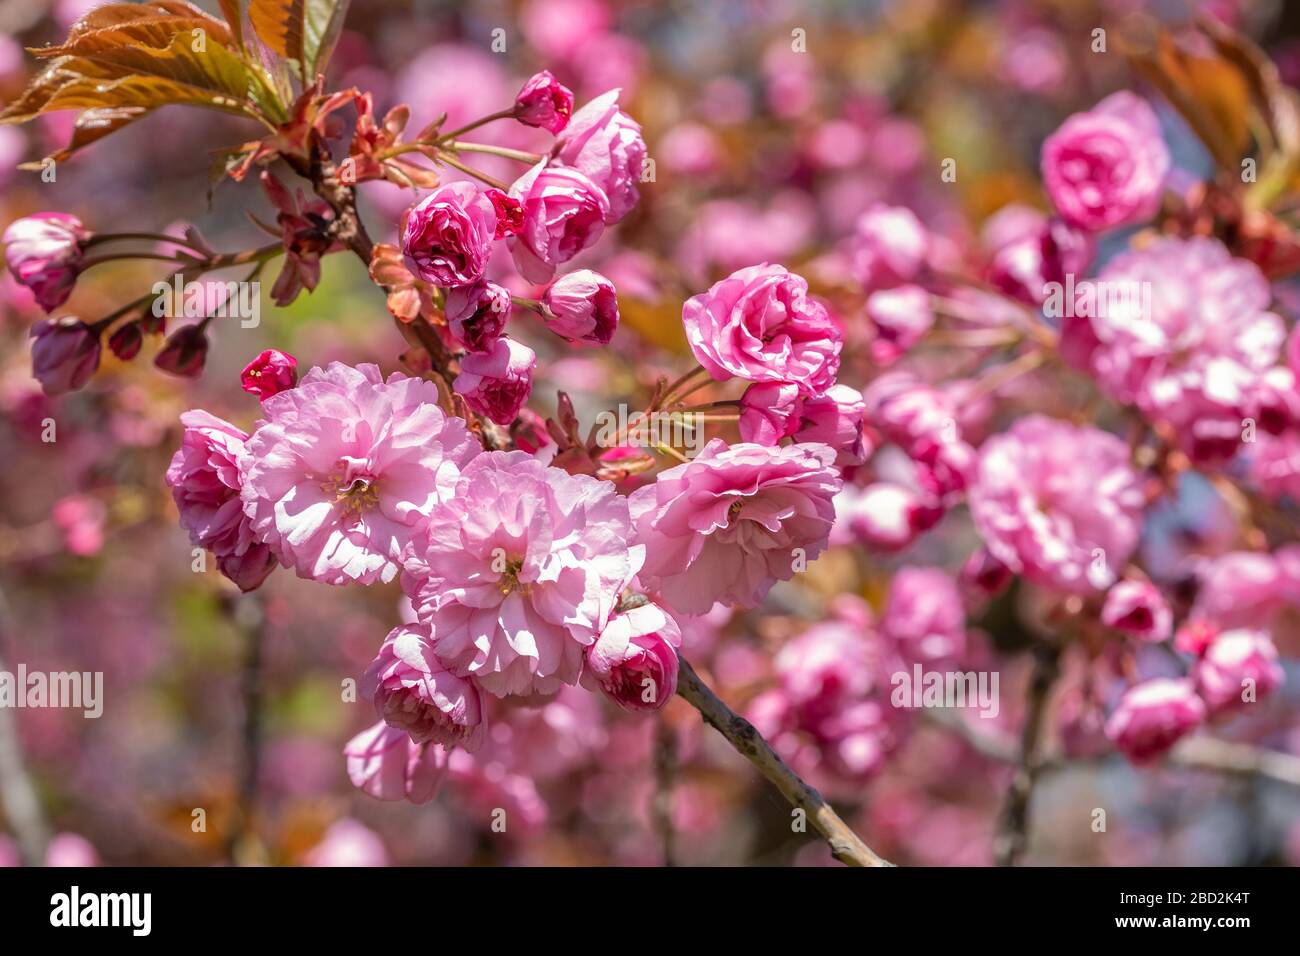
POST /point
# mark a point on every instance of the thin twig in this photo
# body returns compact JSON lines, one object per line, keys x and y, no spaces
{"x":846,"y":846}
{"x":1196,"y":753}
{"x":665,"y":764}
{"x":1013,"y":827}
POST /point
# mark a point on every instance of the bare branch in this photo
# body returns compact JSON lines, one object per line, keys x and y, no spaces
{"x":846,"y":846}
{"x":1013,"y":826}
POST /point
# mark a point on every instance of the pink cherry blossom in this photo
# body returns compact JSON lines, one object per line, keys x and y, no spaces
{"x":345,"y":466}
{"x":1138,"y":608}
{"x":769,"y":411}
{"x":564,"y":212}
{"x":1106,"y":167}
{"x":496,"y":383}
{"x":733,"y":521}
{"x":545,"y":102}
{"x":901,"y":316}
{"x":269,"y":374}
{"x":924,"y":616}
{"x":185,"y":352}
{"x":1195,"y":357}
{"x":388,"y":765}
{"x":414,"y":692}
{"x":206,"y":476}
{"x":582,"y":307}
{"x":1153,"y":716}
{"x":1027,"y":250}
{"x":348,"y":843}
{"x":886,"y":515}
{"x":760,"y":324}
{"x":519,"y":570}
{"x":1237,"y":668}
{"x":44,"y":253}
{"x":476,"y":314}
{"x":1058,"y":503}
{"x":888,"y":247}
{"x":634,"y":660}
{"x":65,"y":354}
{"x":447,"y":236}
{"x":605,"y":144}
{"x":835,"y":418}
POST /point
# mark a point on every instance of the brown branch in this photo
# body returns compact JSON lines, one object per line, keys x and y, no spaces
{"x":242,"y":845}
{"x":846,"y":846}
{"x":665,"y":760}
{"x":1013,"y":827}
{"x":1196,"y":753}
{"x":349,"y":230}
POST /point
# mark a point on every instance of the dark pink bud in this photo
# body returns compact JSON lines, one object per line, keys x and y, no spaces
{"x":44,"y":253}
{"x":496,"y":383}
{"x":269,"y":374}
{"x":65,"y":353}
{"x":185,"y":351}
{"x":581,"y":306}
{"x":983,"y":575}
{"x":544,"y":102}
{"x":510,"y":213}
{"x":634,"y":660}
{"x":476,"y":314}
{"x":125,"y":342}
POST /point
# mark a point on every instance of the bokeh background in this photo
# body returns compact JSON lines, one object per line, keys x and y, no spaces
{"x":761,"y":153}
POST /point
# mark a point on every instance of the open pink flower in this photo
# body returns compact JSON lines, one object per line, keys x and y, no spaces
{"x":733,"y":521}
{"x":606,"y":145}
{"x":634,"y":660}
{"x":447,"y":236}
{"x":44,"y":253}
{"x":1137,"y":608}
{"x":761,"y":325}
{"x":413,"y":691}
{"x":924,"y":616}
{"x":1190,"y":340}
{"x":519,"y":570}
{"x":1238,"y":667}
{"x":888,"y":247}
{"x":1057,"y":503}
{"x":387,"y":764}
{"x":206,"y":475}
{"x":496,"y":383}
{"x":1106,"y":167}
{"x":900,"y":318}
{"x":1153,"y":716}
{"x":345,"y":465}
{"x":564,"y":212}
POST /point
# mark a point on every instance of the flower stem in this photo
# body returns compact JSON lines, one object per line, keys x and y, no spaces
{"x":490,"y":118}
{"x":471,"y":171}
{"x":518,"y":154}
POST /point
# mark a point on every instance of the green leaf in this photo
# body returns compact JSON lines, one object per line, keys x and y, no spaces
{"x":304,"y":31}
{"x":117,"y":84}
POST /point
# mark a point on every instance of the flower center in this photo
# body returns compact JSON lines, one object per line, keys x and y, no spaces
{"x":509,"y":580}
{"x":355,"y":490}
